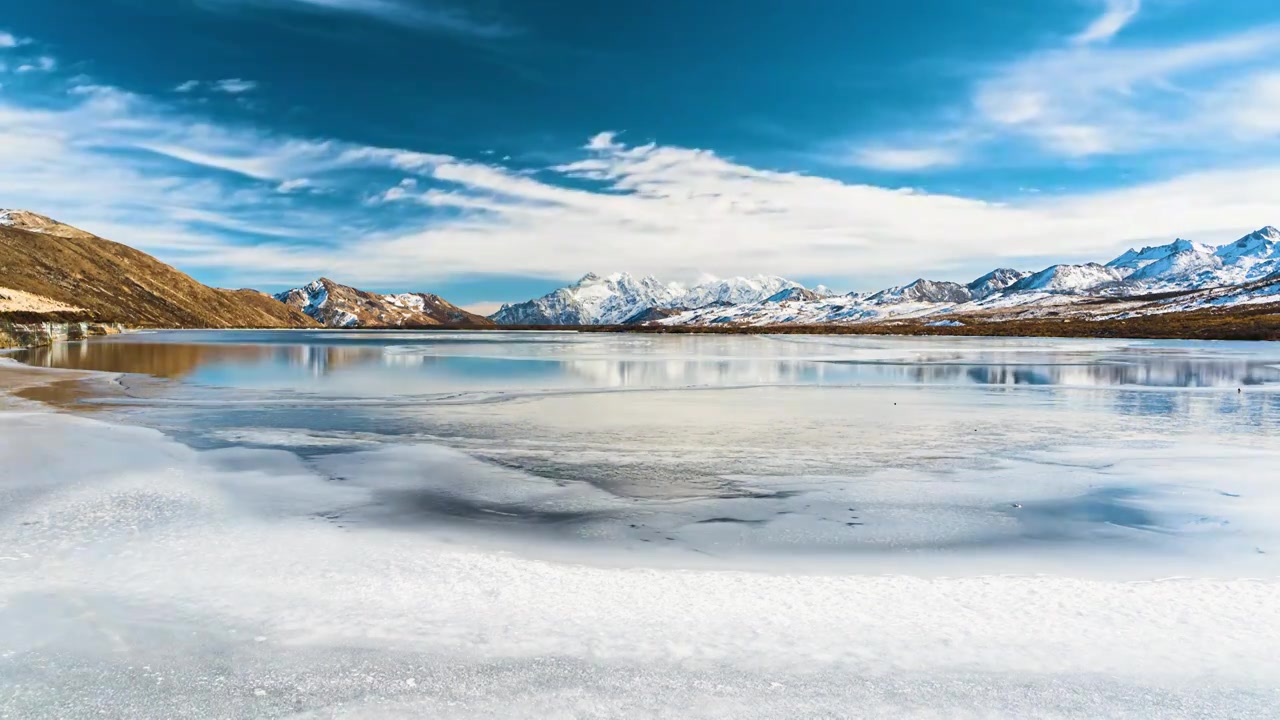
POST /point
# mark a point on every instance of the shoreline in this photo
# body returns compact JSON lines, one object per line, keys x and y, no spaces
{"x":1252,"y":323}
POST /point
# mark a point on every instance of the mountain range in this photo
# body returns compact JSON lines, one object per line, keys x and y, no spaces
{"x":619,"y":299}
{"x":1178,"y":276}
{"x":50,"y":269}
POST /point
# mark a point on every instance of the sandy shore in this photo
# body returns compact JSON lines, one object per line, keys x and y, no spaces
{"x":21,"y":384}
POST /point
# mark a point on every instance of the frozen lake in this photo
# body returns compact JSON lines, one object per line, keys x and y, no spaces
{"x":395,"y":524}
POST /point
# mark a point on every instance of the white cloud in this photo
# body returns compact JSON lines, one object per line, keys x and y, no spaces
{"x":147,"y":174}
{"x":600,"y":141}
{"x":1116,"y":15}
{"x":905,"y":159}
{"x":289,"y":186}
{"x":1091,"y":100}
{"x":187,"y":86}
{"x":40,"y":64}
{"x":399,"y":192}
{"x":9,"y":40}
{"x":427,"y":16}
{"x":1250,"y":106}
{"x":675,"y":211}
{"x":133,"y":170}
{"x":234,"y":86}
{"x":1097,"y":96}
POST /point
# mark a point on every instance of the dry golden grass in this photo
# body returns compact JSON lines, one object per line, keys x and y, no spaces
{"x":115,"y":283}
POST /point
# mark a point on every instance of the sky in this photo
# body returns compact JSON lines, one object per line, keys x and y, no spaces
{"x":492,"y":150}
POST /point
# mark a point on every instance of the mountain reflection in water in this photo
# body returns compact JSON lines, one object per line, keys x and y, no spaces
{"x":605,"y":361}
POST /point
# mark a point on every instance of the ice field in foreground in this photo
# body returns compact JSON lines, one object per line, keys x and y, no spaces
{"x":258,"y":535}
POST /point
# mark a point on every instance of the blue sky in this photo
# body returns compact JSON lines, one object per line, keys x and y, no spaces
{"x":492,"y":150}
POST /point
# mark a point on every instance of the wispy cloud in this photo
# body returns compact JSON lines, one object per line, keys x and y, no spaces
{"x":1098,"y":100}
{"x":43,"y":63}
{"x":230,"y":86}
{"x":9,"y":40}
{"x":426,"y":16}
{"x":1116,"y":15}
{"x":675,"y":211}
{"x":155,"y":175}
{"x":290,"y":186}
{"x":1096,"y":96}
{"x":904,"y":159}
{"x":234,"y":86}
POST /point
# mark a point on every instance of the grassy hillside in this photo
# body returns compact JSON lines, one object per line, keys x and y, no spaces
{"x":115,"y":283}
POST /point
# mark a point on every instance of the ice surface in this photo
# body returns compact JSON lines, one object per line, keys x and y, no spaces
{"x":1069,"y":549}
{"x":168,"y":577}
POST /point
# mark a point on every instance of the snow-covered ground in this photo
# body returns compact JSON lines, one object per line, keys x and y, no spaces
{"x":869,"y":529}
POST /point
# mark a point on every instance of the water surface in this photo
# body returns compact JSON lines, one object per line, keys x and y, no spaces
{"x":725,"y":448}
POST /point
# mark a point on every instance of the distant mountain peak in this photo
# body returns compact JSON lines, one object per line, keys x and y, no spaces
{"x":921,"y":290}
{"x":1259,"y":244}
{"x":620,"y":296}
{"x":336,"y":305}
{"x":793,"y":294}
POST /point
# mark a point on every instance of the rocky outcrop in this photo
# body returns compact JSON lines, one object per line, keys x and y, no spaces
{"x":23,"y":335}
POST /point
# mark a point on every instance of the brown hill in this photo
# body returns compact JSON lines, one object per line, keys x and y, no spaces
{"x":337,"y":305}
{"x":115,"y":283}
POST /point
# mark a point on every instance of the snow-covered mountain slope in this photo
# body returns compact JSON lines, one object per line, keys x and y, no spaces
{"x":1134,"y":260}
{"x":620,"y":297}
{"x":733,"y":291}
{"x":995,"y":281}
{"x":1184,"y":265}
{"x":1068,"y":279}
{"x":1256,"y":292}
{"x":1195,"y":266}
{"x":1257,"y":245}
{"x":923,"y":291}
{"x":593,"y":300}
{"x":796,"y":294}
{"x":1178,"y":275}
{"x":1252,"y":257}
{"x":336,"y":305}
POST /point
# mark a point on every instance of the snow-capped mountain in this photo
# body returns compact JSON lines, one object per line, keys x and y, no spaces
{"x":1194,"y":266}
{"x":1186,"y":265}
{"x":927,"y":291}
{"x":620,"y":297}
{"x":995,"y":281}
{"x":1252,"y":257}
{"x":1134,"y":260}
{"x":733,"y":291}
{"x":1068,"y":279}
{"x":1259,"y":244}
{"x":1178,"y":275}
{"x":796,"y":294}
{"x":336,"y":305}
{"x":593,"y":300}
